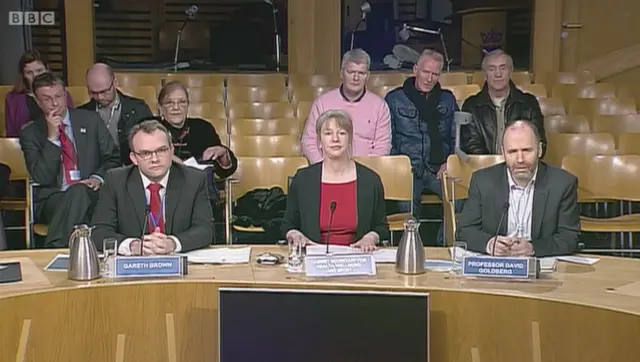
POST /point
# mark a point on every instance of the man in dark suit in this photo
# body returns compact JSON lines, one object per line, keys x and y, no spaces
{"x":119,"y":111}
{"x":537,"y":202}
{"x":178,"y":216}
{"x":67,"y":152}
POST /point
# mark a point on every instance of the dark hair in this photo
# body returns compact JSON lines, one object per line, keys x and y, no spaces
{"x":47,"y":79}
{"x":147,"y":127}
{"x":169,"y":88}
{"x":27,"y":57}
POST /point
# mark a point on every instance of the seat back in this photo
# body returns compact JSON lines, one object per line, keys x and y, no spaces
{"x":616,"y":124}
{"x":264,"y":172}
{"x":266,"y":127}
{"x":459,"y":172}
{"x":605,"y":177}
{"x":560,"y":145}
{"x":12,"y":156}
{"x":395,"y":173}
{"x":629,"y":144}
{"x":567,"y":124}
{"x":266,"y":146}
{"x":261,"y":110}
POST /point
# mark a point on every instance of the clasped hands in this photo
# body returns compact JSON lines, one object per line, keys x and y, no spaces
{"x":509,"y":246}
{"x":155,"y":243}
{"x":367,"y":243}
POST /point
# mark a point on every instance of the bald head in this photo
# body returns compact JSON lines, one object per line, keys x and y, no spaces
{"x":101,"y":84}
{"x":521,"y":149}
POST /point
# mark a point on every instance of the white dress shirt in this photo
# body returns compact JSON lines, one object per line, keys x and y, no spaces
{"x":125,"y":245}
{"x":520,"y":209}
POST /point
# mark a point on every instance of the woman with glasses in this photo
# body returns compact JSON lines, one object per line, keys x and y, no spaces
{"x":20,"y":105}
{"x":195,"y":137}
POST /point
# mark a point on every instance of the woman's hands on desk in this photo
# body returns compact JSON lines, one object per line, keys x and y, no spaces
{"x":368,"y":243}
{"x":298,"y":238}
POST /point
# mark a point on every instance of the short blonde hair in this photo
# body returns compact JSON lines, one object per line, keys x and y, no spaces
{"x":342,"y":119}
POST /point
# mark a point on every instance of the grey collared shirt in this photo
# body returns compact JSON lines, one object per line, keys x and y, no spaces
{"x":520,"y":208}
{"x":111,"y":115}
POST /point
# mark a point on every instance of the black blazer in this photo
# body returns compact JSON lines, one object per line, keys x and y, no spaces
{"x":555,"y":218}
{"x":303,"y":203}
{"x":120,"y":211}
{"x":132,"y":111}
{"x":96,"y":151}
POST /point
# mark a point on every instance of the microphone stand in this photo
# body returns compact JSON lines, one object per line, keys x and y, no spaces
{"x":177,"y":51}
{"x":277,"y":36}
{"x":353,"y":32}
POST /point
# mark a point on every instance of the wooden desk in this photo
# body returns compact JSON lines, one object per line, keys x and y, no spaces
{"x":579,"y":313}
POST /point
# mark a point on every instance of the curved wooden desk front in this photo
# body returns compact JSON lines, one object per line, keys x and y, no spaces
{"x":580,"y":313}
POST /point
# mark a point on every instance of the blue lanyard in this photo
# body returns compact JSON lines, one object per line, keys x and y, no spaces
{"x":156,"y":220}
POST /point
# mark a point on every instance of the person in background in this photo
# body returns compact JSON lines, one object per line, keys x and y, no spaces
{"x":20,"y":104}
{"x":369,"y":112}
{"x":179,"y":215}
{"x":67,"y":153}
{"x":195,"y":137}
{"x":355,"y":191}
{"x":540,"y":202}
{"x":422,"y":126}
{"x":499,"y":103}
{"x":120,"y":112}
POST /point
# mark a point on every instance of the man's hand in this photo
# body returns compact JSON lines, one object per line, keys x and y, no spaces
{"x":366,"y":244}
{"x":442,"y":169}
{"x":92,"y":183}
{"x":53,"y":122}
{"x":522,"y":248}
{"x":155,"y":243}
{"x":500,"y":246}
{"x":217,"y":153}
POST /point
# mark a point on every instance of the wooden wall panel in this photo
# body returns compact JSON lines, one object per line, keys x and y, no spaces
{"x":79,"y":30}
{"x":314,"y":36}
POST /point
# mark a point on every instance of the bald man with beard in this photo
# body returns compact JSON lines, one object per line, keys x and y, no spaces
{"x":539,"y":202}
{"x":119,"y":111}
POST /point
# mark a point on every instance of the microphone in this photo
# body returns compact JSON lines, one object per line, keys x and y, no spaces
{"x":191,"y":11}
{"x":332,"y":209}
{"x":147,"y":210}
{"x":505,"y":209}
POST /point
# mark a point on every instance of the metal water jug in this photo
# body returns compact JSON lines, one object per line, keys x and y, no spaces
{"x":84,"y":263}
{"x":410,"y":255}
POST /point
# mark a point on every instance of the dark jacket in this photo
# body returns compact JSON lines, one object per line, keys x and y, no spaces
{"x":479,"y":138}
{"x":409,"y":134}
{"x":120,"y":211}
{"x":132,"y":111}
{"x":555,"y":218}
{"x":303,"y":203}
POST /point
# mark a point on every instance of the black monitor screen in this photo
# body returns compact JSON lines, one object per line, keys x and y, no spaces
{"x":322,"y":326}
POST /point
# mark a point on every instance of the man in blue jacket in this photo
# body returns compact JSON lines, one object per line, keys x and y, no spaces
{"x":422,"y":126}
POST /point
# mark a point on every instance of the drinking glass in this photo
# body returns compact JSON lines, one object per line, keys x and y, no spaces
{"x":110,"y":250}
{"x":457,"y":257}
{"x":295,"y":261}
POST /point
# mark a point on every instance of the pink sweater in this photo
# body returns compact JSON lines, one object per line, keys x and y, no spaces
{"x":371,"y":124}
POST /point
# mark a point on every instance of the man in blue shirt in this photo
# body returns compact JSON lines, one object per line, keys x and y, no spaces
{"x":67,"y":152}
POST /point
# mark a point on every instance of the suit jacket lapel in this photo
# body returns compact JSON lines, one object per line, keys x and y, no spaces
{"x":137,"y":195}
{"x":80,"y":136}
{"x":311,"y":196}
{"x":362,"y":205}
{"x":172,"y":197}
{"x":502,"y":197}
{"x":540,"y":195}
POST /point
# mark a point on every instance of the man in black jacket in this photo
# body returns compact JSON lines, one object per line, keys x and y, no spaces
{"x":120,"y":112}
{"x":498,"y":103}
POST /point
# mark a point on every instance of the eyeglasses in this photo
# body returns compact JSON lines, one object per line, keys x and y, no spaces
{"x":103,"y":92}
{"x":182,"y":103}
{"x":147,"y":155}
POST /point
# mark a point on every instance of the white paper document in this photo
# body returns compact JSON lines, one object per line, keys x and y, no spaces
{"x":380,"y":255}
{"x":578,"y":260}
{"x":220,"y":255}
{"x":193,"y":163}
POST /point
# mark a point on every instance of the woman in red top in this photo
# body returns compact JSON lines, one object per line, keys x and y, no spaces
{"x":353,"y":191}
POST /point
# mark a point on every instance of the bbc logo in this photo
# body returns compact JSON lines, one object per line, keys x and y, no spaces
{"x":32,"y":18}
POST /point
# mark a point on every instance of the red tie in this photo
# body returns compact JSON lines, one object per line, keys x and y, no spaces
{"x":69,"y":158}
{"x":156,"y":219}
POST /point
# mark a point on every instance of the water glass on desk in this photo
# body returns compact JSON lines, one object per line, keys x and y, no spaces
{"x":295,"y":260}
{"x":457,"y":257}
{"x":110,"y":250}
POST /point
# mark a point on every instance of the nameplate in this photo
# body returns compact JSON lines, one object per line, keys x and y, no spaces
{"x":150,"y":266}
{"x":500,"y":267}
{"x":340,"y":265}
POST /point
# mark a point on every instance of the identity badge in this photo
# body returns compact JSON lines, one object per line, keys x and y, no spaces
{"x":74,"y":175}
